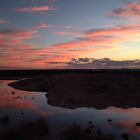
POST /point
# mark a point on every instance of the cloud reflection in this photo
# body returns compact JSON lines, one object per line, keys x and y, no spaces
{"x":128,"y":121}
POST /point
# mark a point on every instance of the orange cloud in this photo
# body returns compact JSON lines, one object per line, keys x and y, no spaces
{"x":34,"y":9}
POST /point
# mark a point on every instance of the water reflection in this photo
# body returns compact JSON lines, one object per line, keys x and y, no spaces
{"x":128,"y":122}
{"x":24,"y":105}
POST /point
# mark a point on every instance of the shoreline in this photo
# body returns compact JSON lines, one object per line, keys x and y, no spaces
{"x":73,"y":90}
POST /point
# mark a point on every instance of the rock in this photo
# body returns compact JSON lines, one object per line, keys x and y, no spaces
{"x":137,"y":124}
{"x":109,"y":120}
{"x":13,"y":92}
{"x":125,"y":136}
{"x":90,"y":122}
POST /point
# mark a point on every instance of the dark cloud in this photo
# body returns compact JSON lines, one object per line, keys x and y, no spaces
{"x":19,"y":32}
{"x":56,"y":62}
{"x":118,"y":12}
{"x":130,"y":9}
{"x":8,"y":31}
{"x":83,"y":59}
{"x":103,"y":63}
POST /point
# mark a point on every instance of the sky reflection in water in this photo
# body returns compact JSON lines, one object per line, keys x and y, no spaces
{"x":24,"y":105}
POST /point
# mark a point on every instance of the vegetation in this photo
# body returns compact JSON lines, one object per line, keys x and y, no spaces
{"x":28,"y":131}
{"x":91,"y":132}
{"x":4,"y":119}
{"x":39,"y":130}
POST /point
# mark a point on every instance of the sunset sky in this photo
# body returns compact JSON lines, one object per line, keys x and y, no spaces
{"x":66,"y":34}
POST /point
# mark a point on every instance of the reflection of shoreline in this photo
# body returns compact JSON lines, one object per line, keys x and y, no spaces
{"x":86,"y":90}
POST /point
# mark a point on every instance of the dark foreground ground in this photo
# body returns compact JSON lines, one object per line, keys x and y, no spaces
{"x":72,"y":89}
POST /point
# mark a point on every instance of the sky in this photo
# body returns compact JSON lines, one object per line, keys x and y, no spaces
{"x":69,"y":34}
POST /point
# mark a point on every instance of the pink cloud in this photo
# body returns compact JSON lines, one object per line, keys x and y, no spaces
{"x":120,"y":30}
{"x":15,"y":51}
{"x":75,"y":32}
{"x":67,"y":27}
{"x":15,"y":36}
{"x":2,"y":21}
{"x":98,"y":40}
{"x":34,"y":9}
{"x":81,"y":43}
{"x":130,"y":9}
{"x":103,"y":37}
{"x":13,"y":48}
{"x":43,"y":25}
{"x":62,"y":33}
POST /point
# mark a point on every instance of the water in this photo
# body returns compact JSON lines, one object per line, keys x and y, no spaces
{"x":25,"y":105}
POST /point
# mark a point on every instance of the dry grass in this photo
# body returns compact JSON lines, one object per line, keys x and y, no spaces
{"x":28,"y":131}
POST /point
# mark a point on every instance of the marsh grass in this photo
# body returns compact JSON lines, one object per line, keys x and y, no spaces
{"x":4,"y":119}
{"x":28,"y":131}
{"x":39,"y":130}
{"x":75,"y":132}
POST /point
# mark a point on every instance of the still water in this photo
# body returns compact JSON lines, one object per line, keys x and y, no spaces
{"x":25,"y":105}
